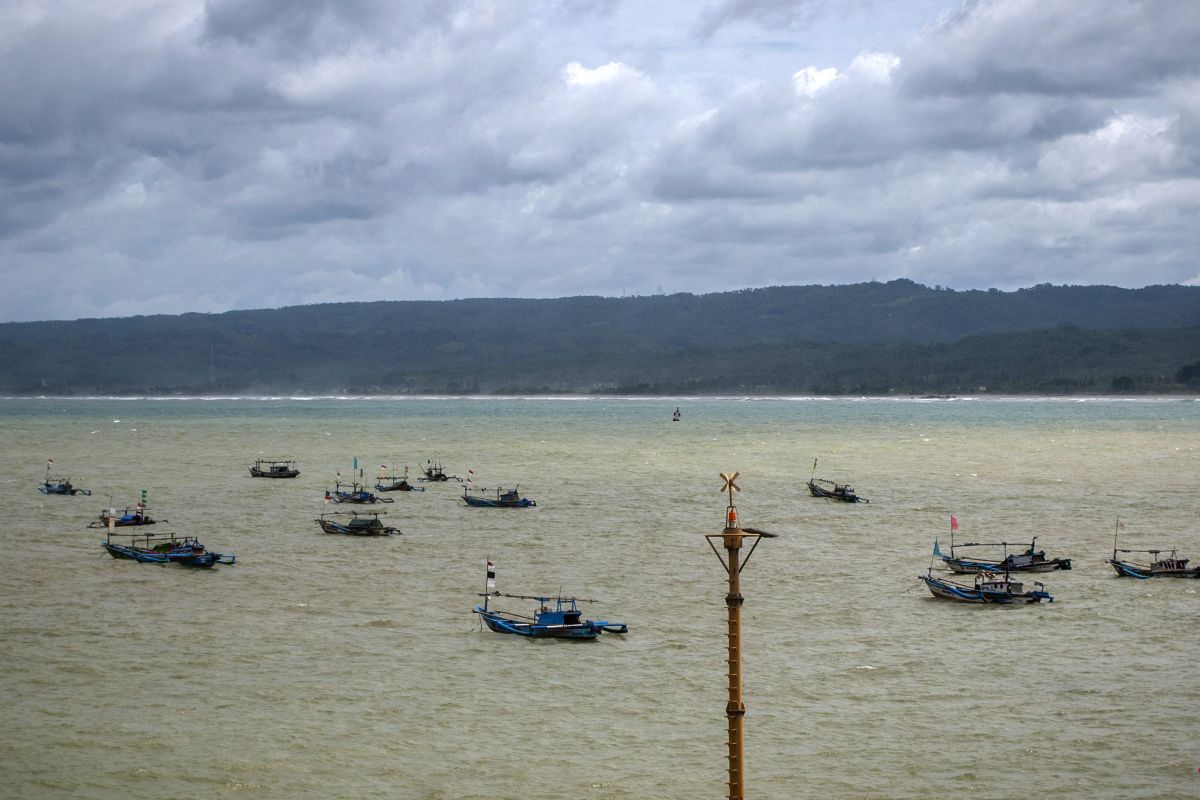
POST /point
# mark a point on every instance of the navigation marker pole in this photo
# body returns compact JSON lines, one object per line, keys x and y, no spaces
{"x":735,"y":711}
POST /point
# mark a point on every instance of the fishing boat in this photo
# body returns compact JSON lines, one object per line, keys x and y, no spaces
{"x":822,"y":487}
{"x":1029,"y":560}
{"x":357,"y":494}
{"x":164,"y":548}
{"x":56,"y":485}
{"x":391,"y":483}
{"x":366,"y":523}
{"x":988,"y":588}
{"x":433,"y":472}
{"x":555,"y":617}
{"x":126,"y":518}
{"x":264,"y":468}
{"x":1168,"y":566}
{"x":483,"y":498}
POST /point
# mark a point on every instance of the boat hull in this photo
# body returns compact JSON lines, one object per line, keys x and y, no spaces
{"x":1126,"y":569}
{"x":816,"y":490}
{"x":67,"y":490}
{"x":484,"y":502}
{"x":329,"y":526}
{"x":261,"y":473}
{"x":582,"y":631}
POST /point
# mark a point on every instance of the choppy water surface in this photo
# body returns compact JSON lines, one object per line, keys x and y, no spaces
{"x":321,"y":666}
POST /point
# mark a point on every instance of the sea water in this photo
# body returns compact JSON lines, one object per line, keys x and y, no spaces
{"x":334,"y":667}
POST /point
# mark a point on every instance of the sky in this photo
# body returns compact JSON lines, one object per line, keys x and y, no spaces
{"x":169,"y":156}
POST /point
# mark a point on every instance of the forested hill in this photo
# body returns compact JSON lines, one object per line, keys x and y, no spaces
{"x":778,"y":339}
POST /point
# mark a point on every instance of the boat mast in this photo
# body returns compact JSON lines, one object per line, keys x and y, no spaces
{"x":735,"y":710}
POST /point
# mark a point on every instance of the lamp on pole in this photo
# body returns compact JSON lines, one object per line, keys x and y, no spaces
{"x":731,"y":540}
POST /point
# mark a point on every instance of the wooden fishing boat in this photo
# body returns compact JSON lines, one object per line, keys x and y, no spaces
{"x":433,"y":472}
{"x":391,"y":483}
{"x":366,"y":523}
{"x":820,"y":487}
{"x":1029,"y":560}
{"x":61,"y":486}
{"x":1168,"y":566}
{"x":560,"y":620}
{"x":126,"y":518}
{"x":264,"y":468}
{"x":357,"y":494}
{"x":988,"y":588}
{"x":483,"y":498}
{"x":164,"y":548}
{"x":56,"y":485}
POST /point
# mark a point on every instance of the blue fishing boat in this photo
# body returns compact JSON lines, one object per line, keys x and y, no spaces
{"x":123,"y":519}
{"x":355,"y":523}
{"x":1168,"y":566}
{"x":555,"y":617}
{"x":164,"y":548}
{"x":988,"y":588}
{"x":1029,"y":560}
{"x":483,"y":498}
{"x":56,"y":485}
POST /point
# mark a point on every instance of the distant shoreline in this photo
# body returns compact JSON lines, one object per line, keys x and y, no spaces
{"x":1184,"y":396}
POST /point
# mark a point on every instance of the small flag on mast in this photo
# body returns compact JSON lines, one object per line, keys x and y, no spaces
{"x":491,"y":577}
{"x":953,"y":522}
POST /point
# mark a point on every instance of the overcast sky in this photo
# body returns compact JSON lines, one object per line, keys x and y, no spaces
{"x":164,"y":156}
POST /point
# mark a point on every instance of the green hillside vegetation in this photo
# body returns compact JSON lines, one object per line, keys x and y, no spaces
{"x":872,"y":338}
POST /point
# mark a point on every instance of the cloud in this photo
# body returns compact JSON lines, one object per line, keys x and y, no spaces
{"x":810,"y":80}
{"x":171,"y":155}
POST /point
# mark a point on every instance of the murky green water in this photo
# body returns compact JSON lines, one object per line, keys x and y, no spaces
{"x":321,"y":666}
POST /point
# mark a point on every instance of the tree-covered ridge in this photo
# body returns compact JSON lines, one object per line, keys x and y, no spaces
{"x":872,"y":337}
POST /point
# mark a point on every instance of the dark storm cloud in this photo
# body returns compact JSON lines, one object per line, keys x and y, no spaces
{"x":1106,"y":49}
{"x":174,"y":155}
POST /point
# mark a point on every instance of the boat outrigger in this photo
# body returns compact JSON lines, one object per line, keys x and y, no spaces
{"x":503,"y":499}
{"x":562,"y":620}
{"x":265,"y":468}
{"x":1168,"y":566}
{"x":56,"y":485}
{"x":988,"y":588}
{"x":366,"y":523}
{"x":164,"y":548}
{"x":822,"y":487}
{"x":1029,"y":560}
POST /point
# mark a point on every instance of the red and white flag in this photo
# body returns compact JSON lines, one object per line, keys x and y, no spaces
{"x":953,"y":522}
{"x":491,"y":577}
